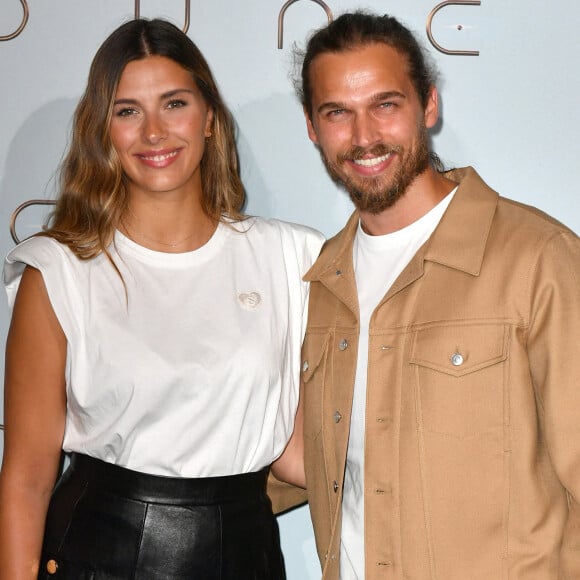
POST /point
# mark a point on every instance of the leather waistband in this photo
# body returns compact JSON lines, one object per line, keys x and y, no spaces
{"x":110,"y":478}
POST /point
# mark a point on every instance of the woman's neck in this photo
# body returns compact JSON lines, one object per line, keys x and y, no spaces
{"x":167,"y":226}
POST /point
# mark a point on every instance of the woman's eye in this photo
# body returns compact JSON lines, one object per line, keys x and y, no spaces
{"x":176,"y":104}
{"x":125,"y":112}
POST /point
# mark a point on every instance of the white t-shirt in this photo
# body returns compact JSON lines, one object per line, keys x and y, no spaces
{"x":378,"y":261}
{"x":194,"y":371}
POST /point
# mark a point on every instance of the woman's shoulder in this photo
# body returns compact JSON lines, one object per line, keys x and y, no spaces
{"x":41,"y":252}
{"x":36,"y":246}
{"x":37,"y":249}
{"x":282,"y":240}
{"x":298,"y":233}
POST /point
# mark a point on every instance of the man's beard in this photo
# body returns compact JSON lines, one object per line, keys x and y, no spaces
{"x":375,"y":194}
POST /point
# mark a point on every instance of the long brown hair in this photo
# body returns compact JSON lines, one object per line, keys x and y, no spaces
{"x":93,"y":195}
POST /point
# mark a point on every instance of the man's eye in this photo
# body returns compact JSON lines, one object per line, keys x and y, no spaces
{"x":335,"y":113}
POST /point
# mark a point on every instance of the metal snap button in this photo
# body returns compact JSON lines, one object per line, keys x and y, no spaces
{"x":305,"y":366}
{"x":51,"y":567}
{"x":456,"y":359}
{"x":337,"y":417}
{"x":335,"y":486}
{"x":343,"y":344}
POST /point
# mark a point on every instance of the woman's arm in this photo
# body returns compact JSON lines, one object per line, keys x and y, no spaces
{"x":289,"y":467}
{"x":34,"y":410}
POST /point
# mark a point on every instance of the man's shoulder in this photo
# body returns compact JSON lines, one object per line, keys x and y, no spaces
{"x":532,"y":218}
{"x":474,"y":194}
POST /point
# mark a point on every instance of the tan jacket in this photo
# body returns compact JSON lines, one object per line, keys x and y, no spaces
{"x":472,"y":461}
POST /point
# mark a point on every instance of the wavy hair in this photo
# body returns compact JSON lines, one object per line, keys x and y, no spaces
{"x":93,"y":194}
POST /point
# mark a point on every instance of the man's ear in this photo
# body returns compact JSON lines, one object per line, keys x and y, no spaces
{"x":310,"y":127}
{"x":432,"y":108}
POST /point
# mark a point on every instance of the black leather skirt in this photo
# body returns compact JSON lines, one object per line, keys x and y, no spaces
{"x":106,"y":522}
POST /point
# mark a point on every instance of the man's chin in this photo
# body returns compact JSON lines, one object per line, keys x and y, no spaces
{"x":372,"y":194}
{"x":374,"y":204}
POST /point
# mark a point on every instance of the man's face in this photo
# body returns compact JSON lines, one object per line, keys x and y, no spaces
{"x":369,"y":124}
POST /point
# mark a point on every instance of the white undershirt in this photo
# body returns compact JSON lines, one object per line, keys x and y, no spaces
{"x":378,"y":261}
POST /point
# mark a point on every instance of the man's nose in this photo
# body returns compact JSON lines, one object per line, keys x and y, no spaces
{"x":365,"y":131}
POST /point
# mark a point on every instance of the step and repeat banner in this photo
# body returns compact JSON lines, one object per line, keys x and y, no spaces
{"x":509,"y":86}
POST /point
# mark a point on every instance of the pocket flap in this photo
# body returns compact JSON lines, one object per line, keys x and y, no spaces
{"x":460,"y":350}
{"x":313,"y":349}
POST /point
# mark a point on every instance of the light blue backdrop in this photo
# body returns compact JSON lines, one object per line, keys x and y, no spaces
{"x":512,"y":111}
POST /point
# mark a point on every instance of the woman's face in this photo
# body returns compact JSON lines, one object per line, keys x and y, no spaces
{"x":158,"y":129}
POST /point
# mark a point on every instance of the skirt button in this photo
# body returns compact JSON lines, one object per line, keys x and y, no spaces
{"x":51,"y":567}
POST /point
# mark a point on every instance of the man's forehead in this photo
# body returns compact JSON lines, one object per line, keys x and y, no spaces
{"x":375,"y":66}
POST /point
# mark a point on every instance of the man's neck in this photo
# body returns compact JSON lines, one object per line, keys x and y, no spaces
{"x":426,"y":191}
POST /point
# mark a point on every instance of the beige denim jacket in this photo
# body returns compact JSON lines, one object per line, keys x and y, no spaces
{"x":472,"y":461}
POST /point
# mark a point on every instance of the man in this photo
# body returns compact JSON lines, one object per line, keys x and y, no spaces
{"x":441,"y":378}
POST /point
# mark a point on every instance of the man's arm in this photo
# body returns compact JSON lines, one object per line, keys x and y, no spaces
{"x":554,"y":358}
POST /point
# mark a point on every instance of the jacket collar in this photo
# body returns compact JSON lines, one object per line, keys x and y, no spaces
{"x":458,"y":241}
{"x":460,"y":238}
{"x":334,"y":267}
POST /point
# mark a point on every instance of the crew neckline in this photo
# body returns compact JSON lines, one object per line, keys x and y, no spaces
{"x":393,"y":239}
{"x":123,"y":244}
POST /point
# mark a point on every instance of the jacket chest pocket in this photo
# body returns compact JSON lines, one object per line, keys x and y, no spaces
{"x":314,"y":376}
{"x":460,"y":378}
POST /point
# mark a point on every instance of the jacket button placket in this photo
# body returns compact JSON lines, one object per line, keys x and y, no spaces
{"x":379,"y":480}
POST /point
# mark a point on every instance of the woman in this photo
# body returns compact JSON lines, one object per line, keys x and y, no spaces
{"x":155,"y":337}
